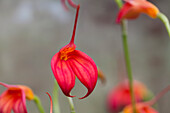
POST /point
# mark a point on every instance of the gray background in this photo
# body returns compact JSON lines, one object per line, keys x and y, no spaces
{"x":32,"y":31}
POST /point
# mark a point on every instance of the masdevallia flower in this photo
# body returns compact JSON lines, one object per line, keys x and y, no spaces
{"x":133,"y":8}
{"x":119,"y":97}
{"x":69,"y":63}
{"x":14,"y":98}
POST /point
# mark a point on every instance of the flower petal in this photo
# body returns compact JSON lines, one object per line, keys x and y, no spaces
{"x":6,"y":102}
{"x":27,"y":91}
{"x":20,"y":104}
{"x":9,"y":100}
{"x":145,"y":7}
{"x":149,"y":9}
{"x":128,"y":12}
{"x":85,"y":69}
{"x":63,"y":74}
{"x":133,"y":8}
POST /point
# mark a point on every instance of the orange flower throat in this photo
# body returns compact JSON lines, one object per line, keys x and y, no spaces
{"x":65,"y":51}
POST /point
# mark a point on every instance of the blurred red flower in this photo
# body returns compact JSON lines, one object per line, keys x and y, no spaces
{"x":133,"y":8}
{"x":14,"y":98}
{"x":119,"y":97}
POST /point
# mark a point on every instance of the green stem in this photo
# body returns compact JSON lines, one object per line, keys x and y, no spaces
{"x":128,"y":65}
{"x":165,"y":20}
{"x":38,"y":103}
{"x":127,"y":57}
{"x":55,"y":98}
{"x":70,"y":100}
{"x":119,"y":3}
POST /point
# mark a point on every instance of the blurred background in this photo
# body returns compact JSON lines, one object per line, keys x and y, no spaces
{"x":32,"y":31}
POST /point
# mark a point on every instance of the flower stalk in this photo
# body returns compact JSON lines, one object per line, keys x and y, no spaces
{"x":119,"y":3}
{"x":128,"y":65}
{"x":55,"y":98}
{"x":70,"y":100}
{"x":127,"y":58}
{"x":38,"y":103}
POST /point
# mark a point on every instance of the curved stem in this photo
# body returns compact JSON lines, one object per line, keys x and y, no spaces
{"x":63,"y":2}
{"x":72,"y":4}
{"x":38,"y":103}
{"x":70,"y":100}
{"x":157,"y":97}
{"x":165,"y":20}
{"x":51,"y":102}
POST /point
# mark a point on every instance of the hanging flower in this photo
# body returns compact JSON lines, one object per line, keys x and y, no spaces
{"x":119,"y":97}
{"x":71,"y":3}
{"x":140,"y":108}
{"x":133,"y":8}
{"x":68,"y":63}
{"x":14,"y":98}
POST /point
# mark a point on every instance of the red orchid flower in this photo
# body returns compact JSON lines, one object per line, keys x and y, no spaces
{"x":14,"y":98}
{"x":68,"y":63}
{"x":140,"y":108}
{"x":119,"y":97}
{"x":71,"y":3}
{"x":133,"y":8}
